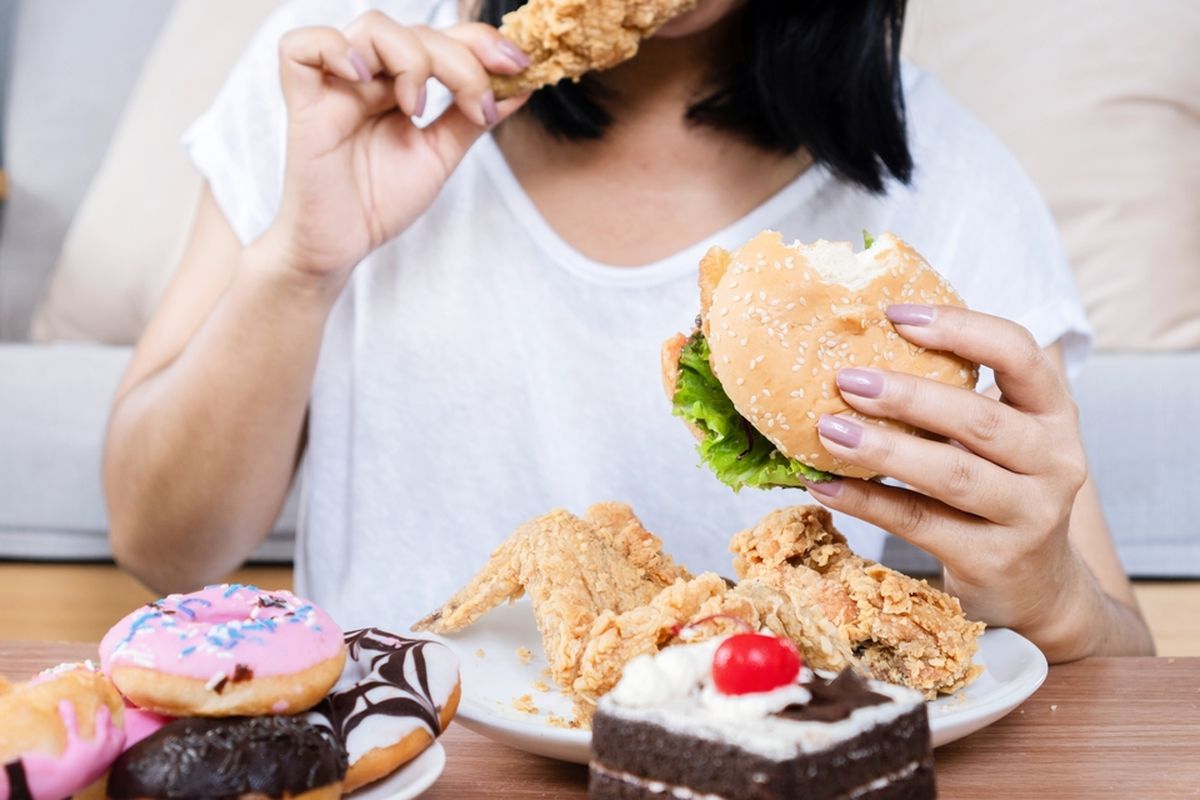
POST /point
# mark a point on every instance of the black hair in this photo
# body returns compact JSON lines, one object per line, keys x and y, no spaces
{"x":822,"y":75}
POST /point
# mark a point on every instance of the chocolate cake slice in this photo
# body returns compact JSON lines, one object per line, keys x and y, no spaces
{"x":668,"y":732}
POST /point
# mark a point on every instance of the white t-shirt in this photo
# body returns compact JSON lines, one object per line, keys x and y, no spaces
{"x":478,"y":371}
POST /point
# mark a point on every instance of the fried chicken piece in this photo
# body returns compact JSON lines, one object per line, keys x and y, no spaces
{"x":901,"y":629}
{"x":571,"y":573}
{"x":789,"y":613}
{"x":621,"y":528}
{"x":616,"y":638}
{"x":566,"y":38}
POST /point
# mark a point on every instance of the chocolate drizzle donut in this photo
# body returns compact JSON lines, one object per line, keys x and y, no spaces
{"x":269,"y":756}
{"x":396,"y":695}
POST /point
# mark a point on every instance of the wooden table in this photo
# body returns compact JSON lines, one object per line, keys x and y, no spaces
{"x":1104,"y":727}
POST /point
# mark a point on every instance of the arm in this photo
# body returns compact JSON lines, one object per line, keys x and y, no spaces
{"x":207,"y":424}
{"x":1006,"y":504}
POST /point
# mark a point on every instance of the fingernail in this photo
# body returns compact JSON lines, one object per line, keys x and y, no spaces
{"x":513,"y":53}
{"x":419,"y":108}
{"x":827,"y":488}
{"x":841,"y":430}
{"x":360,"y":65}
{"x":491,"y":114}
{"x":862,"y":382}
{"x":911,"y":314}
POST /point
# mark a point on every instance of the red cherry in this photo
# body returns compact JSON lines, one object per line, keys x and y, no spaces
{"x":755,"y":662}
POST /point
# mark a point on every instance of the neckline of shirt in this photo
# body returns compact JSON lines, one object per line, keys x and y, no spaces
{"x":676,"y":265}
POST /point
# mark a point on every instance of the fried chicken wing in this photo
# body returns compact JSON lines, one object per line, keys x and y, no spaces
{"x":567,"y":38}
{"x":901,"y":629}
{"x":572,"y":571}
{"x":621,"y":528}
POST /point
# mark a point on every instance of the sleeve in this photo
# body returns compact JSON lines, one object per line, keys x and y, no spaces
{"x":239,"y":144}
{"x":987,"y":228}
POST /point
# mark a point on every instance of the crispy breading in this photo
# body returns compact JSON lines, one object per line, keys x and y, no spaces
{"x":901,"y":629}
{"x":615,"y":638}
{"x":571,"y":573}
{"x":567,"y":38}
{"x":604,"y":592}
{"x":787,"y":612}
{"x":621,"y":528}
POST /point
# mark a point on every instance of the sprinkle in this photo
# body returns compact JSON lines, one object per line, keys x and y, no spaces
{"x":216,"y":680}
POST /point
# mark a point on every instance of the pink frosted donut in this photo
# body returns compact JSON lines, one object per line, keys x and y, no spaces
{"x":223,"y":651}
{"x":59,"y":732}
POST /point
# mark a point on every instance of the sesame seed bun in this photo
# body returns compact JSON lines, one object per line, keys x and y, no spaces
{"x":782,"y":320}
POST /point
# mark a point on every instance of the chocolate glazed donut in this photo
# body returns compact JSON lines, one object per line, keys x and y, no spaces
{"x":263,"y":757}
{"x":396,"y":695}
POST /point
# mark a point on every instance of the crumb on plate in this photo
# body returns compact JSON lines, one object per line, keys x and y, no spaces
{"x":524,"y":704}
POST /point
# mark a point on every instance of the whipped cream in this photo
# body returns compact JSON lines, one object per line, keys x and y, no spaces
{"x":674,"y":688}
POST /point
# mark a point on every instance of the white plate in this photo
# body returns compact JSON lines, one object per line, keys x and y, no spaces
{"x":493,"y":676}
{"x":410,"y":780}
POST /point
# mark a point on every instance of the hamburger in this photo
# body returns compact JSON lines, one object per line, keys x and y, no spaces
{"x":776,"y":324}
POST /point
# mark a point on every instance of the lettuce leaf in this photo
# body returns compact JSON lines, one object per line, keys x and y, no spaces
{"x":733,"y":448}
{"x":868,"y":239}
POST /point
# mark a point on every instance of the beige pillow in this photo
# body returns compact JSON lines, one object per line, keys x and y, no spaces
{"x":131,"y":227}
{"x":1101,"y":103}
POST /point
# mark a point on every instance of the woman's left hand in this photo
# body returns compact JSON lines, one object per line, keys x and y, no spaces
{"x":994,"y":503}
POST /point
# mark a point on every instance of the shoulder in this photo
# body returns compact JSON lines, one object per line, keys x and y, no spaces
{"x":301,"y":13}
{"x":967,"y":189}
{"x":975,"y":215}
{"x":961,"y":169}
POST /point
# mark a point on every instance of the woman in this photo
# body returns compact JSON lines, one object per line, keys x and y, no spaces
{"x":456,"y":325}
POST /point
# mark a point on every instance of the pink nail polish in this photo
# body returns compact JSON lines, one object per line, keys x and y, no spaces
{"x":861,"y":382}
{"x":419,"y":107}
{"x":513,"y":53}
{"x":841,"y":430}
{"x":911,"y":314}
{"x":491,"y":114}
{"x":827,"y":488}
{"x":360,"y":65}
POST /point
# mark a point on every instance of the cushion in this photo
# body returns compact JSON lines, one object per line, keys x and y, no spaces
{"x":125,"y":240}
{"x":54,"y":402}
{"x":1144,"y":472}
{"x":1103,"y":110}
{"x":56,"y":129}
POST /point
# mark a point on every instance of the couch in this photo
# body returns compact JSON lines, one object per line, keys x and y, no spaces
{"x":68,"y":184}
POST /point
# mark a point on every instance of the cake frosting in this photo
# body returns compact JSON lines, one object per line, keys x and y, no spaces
{"x":205,"y":635}
{"x":673,"y":689}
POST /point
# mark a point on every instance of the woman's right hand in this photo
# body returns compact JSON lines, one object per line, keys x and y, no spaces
{"x":358,"y":170}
